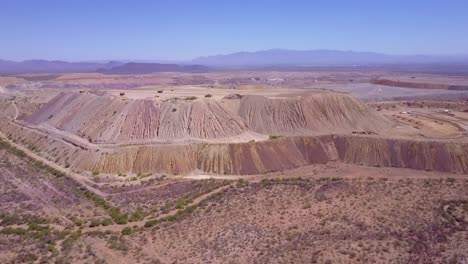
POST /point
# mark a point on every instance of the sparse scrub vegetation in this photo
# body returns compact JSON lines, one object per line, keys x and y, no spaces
{"x":272,"y":137}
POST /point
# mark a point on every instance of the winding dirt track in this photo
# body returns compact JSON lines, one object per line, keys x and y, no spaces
{"x":141,"y":223}
{"x":83,"y":180}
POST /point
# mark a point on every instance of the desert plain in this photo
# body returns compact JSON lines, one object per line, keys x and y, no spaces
{"x":332,"y":166}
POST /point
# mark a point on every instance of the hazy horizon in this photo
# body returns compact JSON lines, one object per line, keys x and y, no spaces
{"x":156,"y":60}
{"x":181,"y":31}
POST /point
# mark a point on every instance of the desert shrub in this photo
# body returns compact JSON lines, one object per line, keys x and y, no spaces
{"x":79,"y":222}
{"x":118,"y":217}
{"x":127,"y":231}
{"x":274,"y":137}
{"x":265,"y":182}
{"x":95,"y":173}
{"x":51,"y":248}
{"x":118,"y":243}
{"x":107,"y":222}
{"x":55,"y":172}
{"x":137,"y":215}
{"x":191,"y":98}
{"x":208,"y":95}
{"x":13,"y":231}
{"x":151,"y":223}
{"x":94,"y":223}
{"x":181,"y":203}
{"x":170,"y":218}
{"x":10,"y":219}
{"x":75,"y":235}
{"x":241,"y":183}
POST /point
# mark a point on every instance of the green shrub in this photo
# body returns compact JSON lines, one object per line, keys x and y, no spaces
{"x":94,"y":223}
{"x":75,"y":235}
{"x":151,"y":223}
{"x":127,"y":231}
{"x":170,"y":218}
{"x":13,"y":231}
{"x":107,"y":222}
{"x":181,"y":203}
{"x":51,"y":248}
{"x":274,"y":137}
{"x":241,"y":183}
{"x":118,"y":217}
{"x":137,"y":215}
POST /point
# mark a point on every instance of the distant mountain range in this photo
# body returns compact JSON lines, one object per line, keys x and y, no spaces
{"x":142,"y":68}
{"x":46,"y":66}
{"x":113,"y":67}
{"x":283,"y":57}
{"x":268,"y":59}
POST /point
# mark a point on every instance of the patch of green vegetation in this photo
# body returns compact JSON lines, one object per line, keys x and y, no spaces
{"x":75,"y":235}
{"x":151,"y":223}
{"x":181,"y":203}
{"x":14,"y":219}
{"x":139,"y":214}
{"x":288,"y":181}
{"x":95,"y":223}
{"x":242,"y":183}
{"x":51,"y":248}
{"x":272,"y":137}
{"x":14,"y":231}
{"x":127,"y":231}
{"x":170,"y":218}
{"x":266,"y":182}
{"x":118,"y":217}
{"x":117,"y":243}
{"x":107,"y":222}
{"x":114,"y":213}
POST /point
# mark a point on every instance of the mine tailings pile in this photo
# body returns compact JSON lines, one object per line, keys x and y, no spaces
{"x":313,"y":129}
{"x":110,"y":119}
{"x":281,"y":154}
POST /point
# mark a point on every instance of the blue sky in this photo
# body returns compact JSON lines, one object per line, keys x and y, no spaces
{"x":178,"y":30}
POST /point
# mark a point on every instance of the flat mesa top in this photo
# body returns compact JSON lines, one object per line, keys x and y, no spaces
{"x":429,"y":79}
{"x":163,"y":93}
